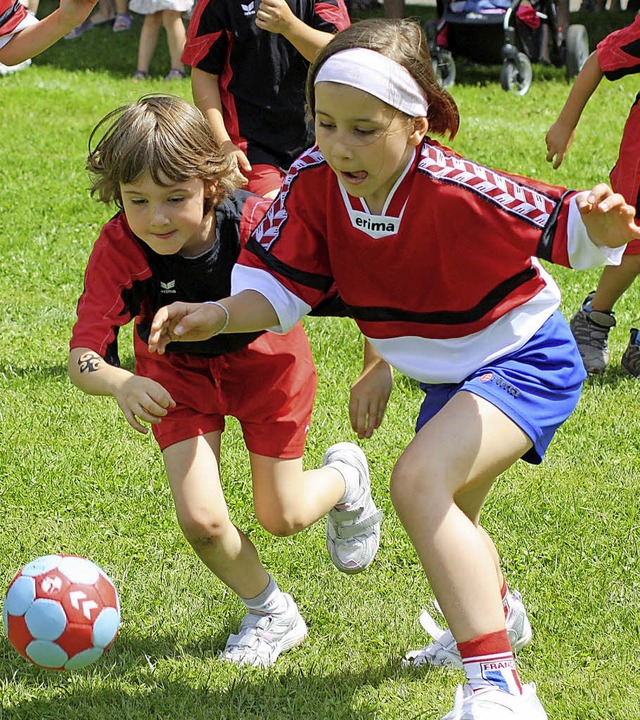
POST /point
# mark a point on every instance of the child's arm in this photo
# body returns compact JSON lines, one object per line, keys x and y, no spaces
{"x":206,"y":96}
{"x":560,"y":135}
{"x":277,"y":17}
{"x":36,"y":38}
{"x":370,"y":393}
{"x":248,"y":311}
{"x":138,"y":397}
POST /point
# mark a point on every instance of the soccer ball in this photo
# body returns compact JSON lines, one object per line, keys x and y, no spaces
{"x":61,"y":612}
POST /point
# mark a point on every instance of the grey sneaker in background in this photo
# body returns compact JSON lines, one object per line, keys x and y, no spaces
{"x":631,"y":358}
{"x":590,"y":329}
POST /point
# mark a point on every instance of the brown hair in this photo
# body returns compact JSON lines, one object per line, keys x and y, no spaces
{"x":160,"y":134}
{"x":404,"y":42}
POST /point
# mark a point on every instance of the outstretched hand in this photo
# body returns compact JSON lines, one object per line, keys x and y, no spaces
{"x":609,"y":219}
{"x":184,"y":322}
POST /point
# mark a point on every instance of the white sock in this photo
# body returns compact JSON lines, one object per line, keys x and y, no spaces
{"x":271,"y":601}
{"x":351,"y":478}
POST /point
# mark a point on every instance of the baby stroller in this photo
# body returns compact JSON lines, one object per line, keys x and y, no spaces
{"x":512,"y":32}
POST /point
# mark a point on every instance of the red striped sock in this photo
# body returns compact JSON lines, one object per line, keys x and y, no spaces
{"x":504,"y":594}
{"x":488,"y":660}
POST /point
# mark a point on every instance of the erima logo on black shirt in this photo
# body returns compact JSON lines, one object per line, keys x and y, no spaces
{"x":168,"y":287}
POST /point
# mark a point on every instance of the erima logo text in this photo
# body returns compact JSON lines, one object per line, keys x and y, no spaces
{"x":249,"y":9}
{"x":168,"y":287}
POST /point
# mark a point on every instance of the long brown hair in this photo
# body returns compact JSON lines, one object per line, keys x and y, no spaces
{"x":160,"y":134}
{"x":404,"y":42}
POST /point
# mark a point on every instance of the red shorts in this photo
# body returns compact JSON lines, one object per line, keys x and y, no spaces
{"x":625,"y":176}
{"x":264,"y":179}
{"x":269,"y":386}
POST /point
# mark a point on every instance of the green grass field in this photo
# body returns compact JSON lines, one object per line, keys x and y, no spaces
{"x":75,"y":478}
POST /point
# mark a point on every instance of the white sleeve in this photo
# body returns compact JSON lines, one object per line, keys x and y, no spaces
{"x":29,"y":20}
{"x":289,"y":308}
{"x":583,"y":252}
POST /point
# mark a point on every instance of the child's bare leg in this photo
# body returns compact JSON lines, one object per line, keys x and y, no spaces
{"x":288,"y":499}
{"x":438,"y":488}
{"x":176,"y":36}
{"x":193,"y":470}
{"x":614,"y":281}
{"x":148,"y":40}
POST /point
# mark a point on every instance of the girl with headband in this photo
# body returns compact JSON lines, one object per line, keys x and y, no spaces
{"x":437,"y":260}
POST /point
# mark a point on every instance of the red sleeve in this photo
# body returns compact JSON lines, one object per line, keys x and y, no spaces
{"x":290,"y":241}
{"x":207,"y":40}
{"x":333,"y":13}
{"x":12,"y":13}
{"x":111,"y":296}
{"x":619,"y":52}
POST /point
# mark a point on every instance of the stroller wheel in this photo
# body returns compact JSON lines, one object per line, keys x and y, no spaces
{"x":444,"y":68}
{"x":577,"y":49}
{"x":517,"y":74}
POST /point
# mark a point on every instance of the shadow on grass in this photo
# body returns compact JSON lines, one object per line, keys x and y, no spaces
{"x":133,"y":688}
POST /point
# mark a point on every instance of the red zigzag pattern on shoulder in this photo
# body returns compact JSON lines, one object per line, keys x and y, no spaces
{"x":268,"y":230}
{"x":498,"y":189}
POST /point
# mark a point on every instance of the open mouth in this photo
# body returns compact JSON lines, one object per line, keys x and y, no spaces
{"x":355,"y":177}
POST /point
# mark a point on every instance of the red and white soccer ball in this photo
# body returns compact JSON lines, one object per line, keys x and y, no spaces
{"x":61,"y":612}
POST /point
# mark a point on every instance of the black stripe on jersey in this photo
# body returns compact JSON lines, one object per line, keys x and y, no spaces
{"x":545,"y":246}
{"x":9,"y":12}
{"x":311,"y":280}
{"x":632,"y":49}
{"x":445,"y":317}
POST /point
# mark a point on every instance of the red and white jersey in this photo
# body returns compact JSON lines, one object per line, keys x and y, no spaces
{"x":444,"y":280}
{"x":13,"y":18}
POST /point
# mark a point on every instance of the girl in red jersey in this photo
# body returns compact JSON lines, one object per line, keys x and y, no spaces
{"x":435,"y":257}
{"x":617,"y":56}
{"x":177,"y":235}
{"x":22,"y":36}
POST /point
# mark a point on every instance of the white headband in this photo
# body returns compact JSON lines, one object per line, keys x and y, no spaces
{"x":377,"y":75}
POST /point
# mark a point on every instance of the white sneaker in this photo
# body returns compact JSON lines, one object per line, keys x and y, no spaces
{"x":9,"y":69}
{"x":443,"y":651}
{"x":353,"y":534}
{"x":491,"y":703}
{"x":261,"y":638}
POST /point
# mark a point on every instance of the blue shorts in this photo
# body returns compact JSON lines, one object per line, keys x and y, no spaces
{"x":537,"y":386}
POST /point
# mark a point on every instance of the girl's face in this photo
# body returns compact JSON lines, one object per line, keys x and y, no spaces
{"x":169,"y":218}
{"x":366,"y":143}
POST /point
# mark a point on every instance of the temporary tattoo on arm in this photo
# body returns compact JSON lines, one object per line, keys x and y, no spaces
{"x":89,"y":362}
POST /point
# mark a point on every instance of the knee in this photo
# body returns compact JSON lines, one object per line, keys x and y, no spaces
{"x":278,"y":522}
{"x":416,"y":488}
{"x":202,"y":529}
{"x":404,"y":486}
